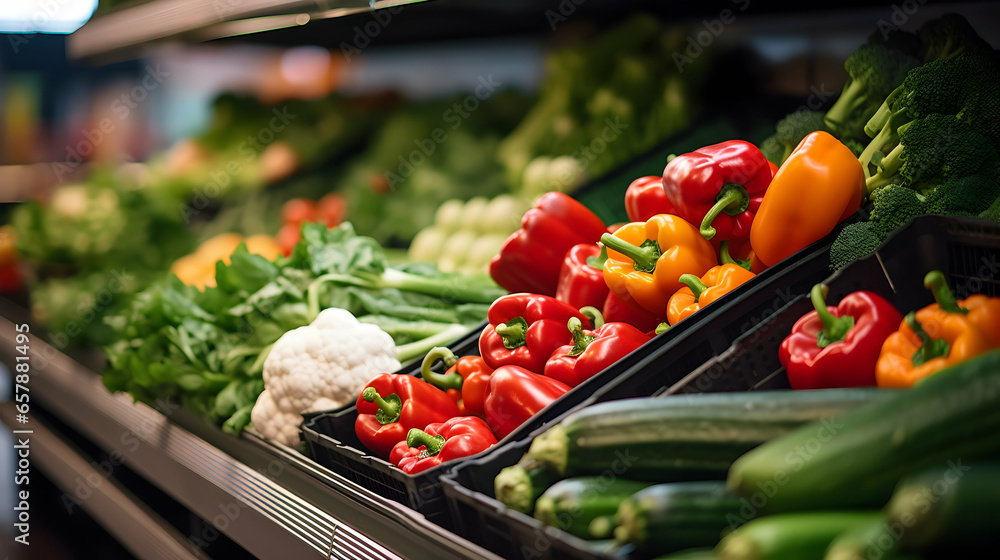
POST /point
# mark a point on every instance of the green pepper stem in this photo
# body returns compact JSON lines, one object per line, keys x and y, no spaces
{"x":930,"y":348}
{"x":732,"y":199}
{"x":661,"y":328}
{"x":581,"y":340}
{"x":691,"y":281}
{"x":598,"y":261}
{"x":726,"y":258}
{"x":513,"y":332}
{"x":835,"y":329}
{"x":594,"y":314}
{"x":643,"y":257}
{"x":417,"y":437}
{"x":388,"y":407}
{"x":935,"y":282}
{"x":442,"y":381}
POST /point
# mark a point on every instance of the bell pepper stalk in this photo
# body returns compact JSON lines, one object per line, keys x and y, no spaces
{"x":739,"y":252}
{"x":982,"y":311}
{"x":531,"y":258}
{"x":838,"y":346}
{"x":391,"y":404}
{"x":616,"y":311}
{"x":645,"y":198}
{"x":645,"y":260}
{"x":515,"y":394}
{"x":699,"y":292}
{"x":939,"y":335}
{"x":441,"y":442}
{"x":581,"y":278}
{"x":524,"y":330}
{"x":720,"y":187}
{"x":820,"y":185}
{"x":592,"y":351}
{"x":661,"y":328}
{"x":465,"y":379}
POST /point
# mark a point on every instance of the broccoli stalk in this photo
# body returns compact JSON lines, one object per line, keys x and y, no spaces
{"x":874,"y":72}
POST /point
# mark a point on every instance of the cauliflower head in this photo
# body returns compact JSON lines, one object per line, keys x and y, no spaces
{"x":274,"y":424}
{"x":325,"y":365}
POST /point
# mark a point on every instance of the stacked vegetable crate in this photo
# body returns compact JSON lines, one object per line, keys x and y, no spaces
{"x":733,"y":349}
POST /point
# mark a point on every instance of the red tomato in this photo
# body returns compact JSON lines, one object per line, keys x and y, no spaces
{"x":332,"y":209}
{"x":287,"y":237}
{"x":298,"y":210}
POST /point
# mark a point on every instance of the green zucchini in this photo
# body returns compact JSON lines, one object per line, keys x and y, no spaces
{"x":680,"y":437}
{"x":573,"y":503}
{"x":517,"y":487}
{"x":953,"y":506}
{"x":855,"y":461}
{"x":677,"y":515}
{"x":798,"y":536}
{"x":864,"y":542}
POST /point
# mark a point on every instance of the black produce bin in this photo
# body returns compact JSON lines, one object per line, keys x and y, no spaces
{"x":734,"y":350}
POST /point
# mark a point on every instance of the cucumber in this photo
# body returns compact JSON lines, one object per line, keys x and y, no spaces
{"x":573,"y":503}
{"x":518,"y":488}
{"x":799,"y":536}
{"x":680,"y":437}
{"x":953,"y":506}
{"x":856,"y":460}
{"x":677,"y":515}
{"x":867,"y":541}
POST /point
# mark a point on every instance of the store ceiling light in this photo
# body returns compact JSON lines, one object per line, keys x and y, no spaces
{"x":44,"y":16}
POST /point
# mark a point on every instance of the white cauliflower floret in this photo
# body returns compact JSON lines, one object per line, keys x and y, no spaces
{"x":326,"y":364}
{"x":272,"y":423}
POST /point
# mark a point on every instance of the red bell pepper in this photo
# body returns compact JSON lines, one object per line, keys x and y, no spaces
{"x":719,"y":186}
{"x":581,"y":279}
{"x":645,"y":198}
{"x":592,"y":351}
{"x":464,"y":381}
{"x":515,"y":394}
{"x":440,"y":442}
{"x":838,"y":346}
{"x":530,"y":259}
{"x":390,"y":405}
{"x":617,"y":311}
{"x":524,"y":329}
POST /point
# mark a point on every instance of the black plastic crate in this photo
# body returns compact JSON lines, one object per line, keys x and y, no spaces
{"x":967,"y":251}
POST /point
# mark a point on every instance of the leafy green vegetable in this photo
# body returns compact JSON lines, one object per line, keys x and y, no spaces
{"x":207,"y":348}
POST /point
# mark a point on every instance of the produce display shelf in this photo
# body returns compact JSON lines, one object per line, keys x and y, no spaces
{"x":288,"y":506}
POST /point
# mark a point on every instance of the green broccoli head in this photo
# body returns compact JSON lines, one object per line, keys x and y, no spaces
{"x":967,"y":86}
{"x":969,"y":195}
{"x":947,"y":37}
{"x":790,"y":131}
{"x":993,"y":212}
{"x":855,"y":241}
{"x":930,"y":151}
{"x":894,"y":206}
{"x":874,"y":72}
{"x":773,"y":149}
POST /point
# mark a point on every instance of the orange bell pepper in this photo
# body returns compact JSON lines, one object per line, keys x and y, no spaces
{"x":819,"y":185}
{"x":938,"y":336}
{"x":697,"y":293}
{"x":645,"y":260}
